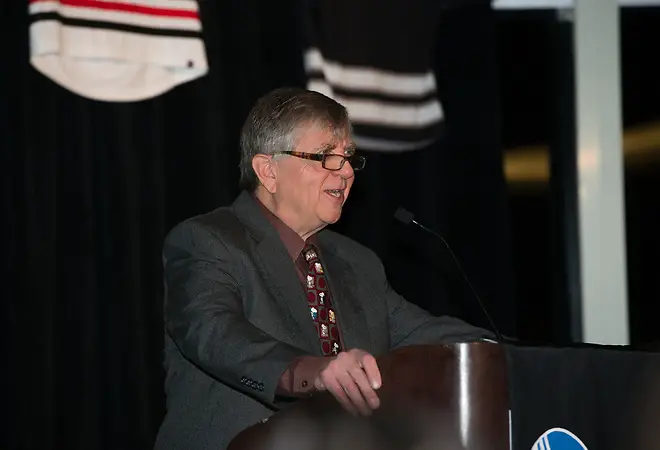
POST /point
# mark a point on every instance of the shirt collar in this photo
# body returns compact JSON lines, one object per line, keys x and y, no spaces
{"x":292,"y":241}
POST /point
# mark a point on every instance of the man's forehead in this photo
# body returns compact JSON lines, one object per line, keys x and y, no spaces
{"x":320,"y":140}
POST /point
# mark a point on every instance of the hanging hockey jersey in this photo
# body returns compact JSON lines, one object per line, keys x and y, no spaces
{"x":376,"y":57}
{"x":117,"y":50}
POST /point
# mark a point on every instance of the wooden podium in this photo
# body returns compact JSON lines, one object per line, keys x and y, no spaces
{"x":441,"y":397}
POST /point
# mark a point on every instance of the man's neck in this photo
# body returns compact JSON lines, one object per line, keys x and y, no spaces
{"x":269,"y":202}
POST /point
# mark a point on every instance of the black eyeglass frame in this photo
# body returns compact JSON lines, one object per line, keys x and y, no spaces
{"x":357,"y":162}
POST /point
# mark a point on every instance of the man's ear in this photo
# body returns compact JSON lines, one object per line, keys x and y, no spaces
{"x":266,"y":170}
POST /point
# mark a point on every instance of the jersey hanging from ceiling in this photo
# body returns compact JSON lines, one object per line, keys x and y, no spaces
{"x":376,"y":57}
{"x":117,"y":50}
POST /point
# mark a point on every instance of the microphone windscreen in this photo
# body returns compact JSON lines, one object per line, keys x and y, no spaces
{"x":404,"y":216}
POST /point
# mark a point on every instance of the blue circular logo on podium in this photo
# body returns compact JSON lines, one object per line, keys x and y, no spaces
{"x":559,"y":439}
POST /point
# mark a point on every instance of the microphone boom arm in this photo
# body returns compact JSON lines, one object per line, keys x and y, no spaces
{"x":407,"y":218}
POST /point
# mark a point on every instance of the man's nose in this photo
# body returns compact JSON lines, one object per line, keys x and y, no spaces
{"x":346,"y":170}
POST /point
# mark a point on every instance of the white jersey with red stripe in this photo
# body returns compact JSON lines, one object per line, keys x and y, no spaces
{"x":117,"y":50}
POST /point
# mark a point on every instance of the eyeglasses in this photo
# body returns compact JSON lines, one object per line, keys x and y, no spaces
{"x":330,"y":161}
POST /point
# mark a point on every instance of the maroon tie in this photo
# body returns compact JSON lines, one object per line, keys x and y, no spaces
{"x":320,"y":303}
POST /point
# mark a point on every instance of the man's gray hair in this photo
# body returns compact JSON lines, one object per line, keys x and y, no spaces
{"x":274,"y":123}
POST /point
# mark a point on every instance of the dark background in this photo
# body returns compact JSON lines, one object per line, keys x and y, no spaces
{"x":89,"y":190}
{"x":534,"y":52}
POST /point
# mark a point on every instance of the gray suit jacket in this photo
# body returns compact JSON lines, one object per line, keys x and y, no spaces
{"x":236,"y":316}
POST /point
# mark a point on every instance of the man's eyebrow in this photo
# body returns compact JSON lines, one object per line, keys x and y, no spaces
{"x":329,"y":147}
{"x":325,"y":148}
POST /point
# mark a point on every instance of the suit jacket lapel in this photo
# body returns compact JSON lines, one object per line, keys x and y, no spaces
{"x":275,"y":263}
{"x":342,"y":282}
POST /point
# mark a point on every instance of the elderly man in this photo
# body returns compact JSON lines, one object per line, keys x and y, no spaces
{"x":263,"y":304}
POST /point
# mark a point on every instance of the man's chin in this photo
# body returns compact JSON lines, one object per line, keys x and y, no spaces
{"x":332,"y":221}
{"x":330,"y":212}
{"x":330,"y":218}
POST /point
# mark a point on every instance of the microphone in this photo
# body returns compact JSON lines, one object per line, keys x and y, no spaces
{"x":406,"y":217}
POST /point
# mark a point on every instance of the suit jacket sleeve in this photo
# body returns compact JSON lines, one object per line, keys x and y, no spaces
{"x":204,"y":314}
{"x":411,"y":325}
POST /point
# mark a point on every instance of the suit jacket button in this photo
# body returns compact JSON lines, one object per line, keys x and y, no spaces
{"x":304,"y":383}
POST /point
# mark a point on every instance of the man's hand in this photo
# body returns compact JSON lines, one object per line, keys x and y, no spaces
{"x":352,"y":377}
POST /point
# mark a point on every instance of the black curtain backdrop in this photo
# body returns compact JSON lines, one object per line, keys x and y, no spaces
{"x":89,"y":190}
{"x":456,"y":187}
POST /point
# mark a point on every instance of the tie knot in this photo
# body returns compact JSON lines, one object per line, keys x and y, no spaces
{"x":310,"y":253}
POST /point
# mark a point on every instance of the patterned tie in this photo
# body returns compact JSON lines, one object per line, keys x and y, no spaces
{"x":320,"y":303}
